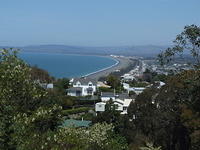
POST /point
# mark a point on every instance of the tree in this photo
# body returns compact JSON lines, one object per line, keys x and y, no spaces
{"x":186,"y":92}
{"x":169,"y":116}
{"x":29,"y":120}
{"x":41,"y":75}
{"x":113,"y":81}
{"x":172,"y":119}
{"x":147,"y":75}
{"x":181,"y":98}
{"x":61,"y":85}
{"x":19,"y":94}
{"x":188,"y":40}
{"x":149,"y":146}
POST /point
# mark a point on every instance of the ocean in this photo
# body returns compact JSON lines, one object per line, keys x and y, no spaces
{"x":67,"y":65}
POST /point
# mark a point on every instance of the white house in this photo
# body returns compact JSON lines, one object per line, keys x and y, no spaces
{"x":125,"y":105}
{"x":106,"y":96}
{"x":122,"y":101}
{"x":82,"y":87}
{"x":128,"y":77}
{"x":137,"y":90}
{"x":126,"y":86}
{"x":100,"y":107}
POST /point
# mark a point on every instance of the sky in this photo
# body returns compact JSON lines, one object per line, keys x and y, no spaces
{"x":95,"y":22}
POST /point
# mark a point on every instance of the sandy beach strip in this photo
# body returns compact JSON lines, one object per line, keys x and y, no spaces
{"x":121,"y":62}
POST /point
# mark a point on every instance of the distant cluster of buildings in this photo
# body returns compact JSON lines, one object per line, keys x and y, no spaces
{"x":170,"y":68}
{"x":81,"y":87}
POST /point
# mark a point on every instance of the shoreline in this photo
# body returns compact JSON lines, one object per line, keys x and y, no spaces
{"x":104,"y":69}
{"x":122,"y":62}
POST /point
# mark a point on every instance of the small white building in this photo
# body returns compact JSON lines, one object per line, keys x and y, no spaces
{"x":100,"y":107}
{"x":137,"y":90}
{"x":82,"y":87}
{"x":50,"y":86}
{"x":160,"y":84}
{"x":128,"y":77}
{"x":122,"y":101}
{"x":126,"y":105}
{"x":126,"y":86}
{"x":106,"y":96}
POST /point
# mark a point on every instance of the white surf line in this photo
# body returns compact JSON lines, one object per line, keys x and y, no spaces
{"x":117,"y":62}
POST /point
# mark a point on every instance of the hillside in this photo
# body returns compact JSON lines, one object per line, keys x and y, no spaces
{"x":144,"y":50}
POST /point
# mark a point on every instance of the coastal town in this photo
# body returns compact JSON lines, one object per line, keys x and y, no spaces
{"x":136,"y":96}
{"x":100,"y":75}
{"x":128,"y":78}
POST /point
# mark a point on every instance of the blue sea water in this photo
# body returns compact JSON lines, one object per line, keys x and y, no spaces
{"x":64,"y":65}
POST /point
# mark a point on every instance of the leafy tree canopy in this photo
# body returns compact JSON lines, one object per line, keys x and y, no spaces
{"x":188,"y":40}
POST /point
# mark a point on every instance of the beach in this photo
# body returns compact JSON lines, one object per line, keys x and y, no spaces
{"x":121,"y":63}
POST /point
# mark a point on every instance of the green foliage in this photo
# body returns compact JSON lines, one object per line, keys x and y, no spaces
{"x":160,"y":77}
{"x":98,"y":137}
{"x":110,"y":115}
{"x":61,"y":85}
{"x":75,"y":110}
{"x":104,"y":89}
{"x":86,"y":102}
{"x":184,"y":96}
{"x":147,"y":76}
{"x":18,"y":93}
{"x":30,"y":118}
{"x":138,"y":84}
{"x":169,"y":116}
{"x":132,"y":93}
{"x":187,"y":40}
{"x":26,"y":127}
{"x":41,"y":75}
{"x":86,"y":116}
{"x":149,"y":146}
{"x":113,"y":81}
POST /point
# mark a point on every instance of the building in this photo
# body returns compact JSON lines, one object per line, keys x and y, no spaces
{"x":137,"y":90}
{"x":82,"y":87}
{"x":126,"y":86}
{"x":122,"y":101}
{"x":76,"y":123}
{"x":128,"y":77}
{"x":106,"y":96}
{"x":100,"y":107}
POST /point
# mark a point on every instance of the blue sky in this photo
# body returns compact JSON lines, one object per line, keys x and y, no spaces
{"x":95,"y":22}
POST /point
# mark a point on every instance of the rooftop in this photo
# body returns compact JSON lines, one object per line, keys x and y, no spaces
{"x":76,"y":123}
{"x":74,"y":89}
{"x":107,"y":94}
{"x":84,"y":81}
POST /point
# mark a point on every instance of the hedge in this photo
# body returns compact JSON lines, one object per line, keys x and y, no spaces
{"x":75,"y":110}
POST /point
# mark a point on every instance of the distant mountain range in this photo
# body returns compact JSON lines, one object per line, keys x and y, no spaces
{"x":143,"y":50}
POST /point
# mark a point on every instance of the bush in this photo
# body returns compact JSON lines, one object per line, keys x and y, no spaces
{"x":75,"y":110}
{"x":86,"y":102}
{"x":87,"y":116}
{"x":104,"y":89}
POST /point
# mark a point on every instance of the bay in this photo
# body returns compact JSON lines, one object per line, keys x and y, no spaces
{"x":64,"y":65}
